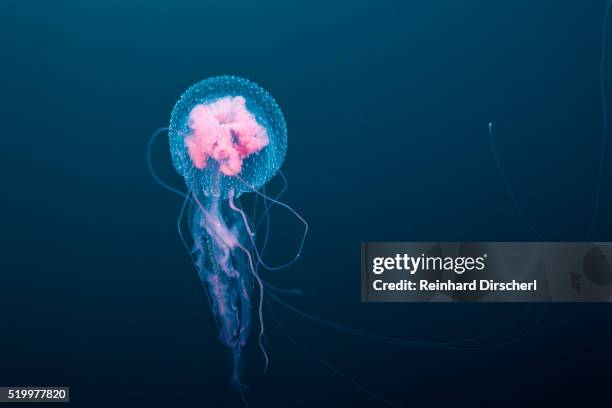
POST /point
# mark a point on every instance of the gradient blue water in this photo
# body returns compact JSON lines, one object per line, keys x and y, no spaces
{"x":387,"y":105}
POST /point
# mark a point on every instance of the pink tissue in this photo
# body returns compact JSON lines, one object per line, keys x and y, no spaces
{"x":225,"y":131}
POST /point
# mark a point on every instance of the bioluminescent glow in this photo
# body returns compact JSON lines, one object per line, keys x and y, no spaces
{"x":227,"y":137}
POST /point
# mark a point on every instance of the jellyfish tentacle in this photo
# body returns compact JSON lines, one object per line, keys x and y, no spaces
{"x":357,"y":384}
{"x":604,"y":109}
{"x":260,"y":311}
{"x":266,"y":215}
{"x":266,"y":236}
{"x":271,"y":287}
{"x":152,"y":171}
{"x":261,"y":286}
{"x":379,"y":338}
{"x":242,"y":214}
{"x":227,"y":286}
{"x":179,"y":229}
{"x":150,"y":162}
{"x":603,"y":142}
{"x":448,"y":345}
{"x":508,"y":186}
{"x":199,"y":250}
{"x":255,"y":274}
{"x":257,"y":254}
{"x":267,"y":206}
{"x":277,"y":289}
{"x":255,"y":203}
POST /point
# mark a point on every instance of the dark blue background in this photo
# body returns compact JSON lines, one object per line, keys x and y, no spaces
{"x":387,"y":105}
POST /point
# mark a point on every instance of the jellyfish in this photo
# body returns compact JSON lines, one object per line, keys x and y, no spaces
{"x":227,"y":137}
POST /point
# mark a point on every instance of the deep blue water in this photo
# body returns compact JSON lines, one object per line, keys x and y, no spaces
{"x":387,"y":105}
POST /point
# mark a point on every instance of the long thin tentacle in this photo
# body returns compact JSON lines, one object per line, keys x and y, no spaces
{"x":255,"y":274}
{"x":449,"y":345}
{"x":604,"y":109}
{"x":261,"y":298}
{"x":258,"y":255}
{"x":508,"y":186}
